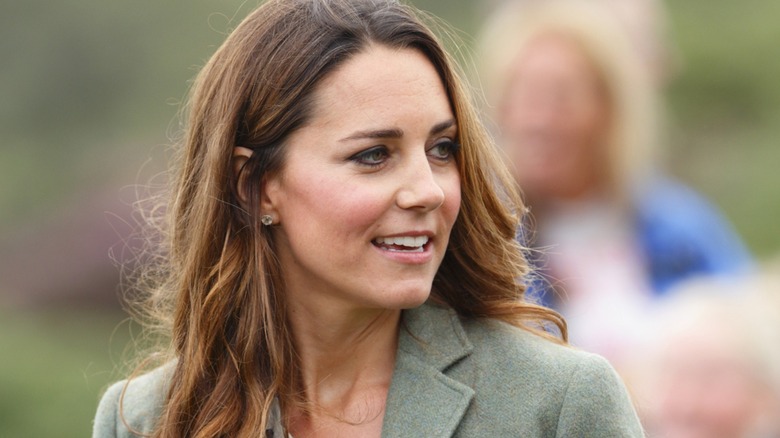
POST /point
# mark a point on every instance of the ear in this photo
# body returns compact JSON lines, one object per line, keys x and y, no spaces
{"x":271,"y":195}
{"x":270,"y":184}
{"x":240,"y":156}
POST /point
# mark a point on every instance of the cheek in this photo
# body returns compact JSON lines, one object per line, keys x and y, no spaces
{"x":329,"y":204}
{"x":362,"y":205}
{"x":452,"y":198}
{"x":590,"y":124}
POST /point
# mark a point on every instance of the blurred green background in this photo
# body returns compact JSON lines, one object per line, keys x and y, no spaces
{"x":89,"y":92}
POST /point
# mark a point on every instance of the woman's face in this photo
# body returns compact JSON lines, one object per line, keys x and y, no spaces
{"x":554,"y":120}
{"x":370,"y":189}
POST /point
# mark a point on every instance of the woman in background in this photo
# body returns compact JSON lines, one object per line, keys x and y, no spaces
{"x":341,"y":257}
{"x":577,"y":119}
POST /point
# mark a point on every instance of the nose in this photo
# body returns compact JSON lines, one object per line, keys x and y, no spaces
{"x":537,"y":114}
{"x":419,"y":187}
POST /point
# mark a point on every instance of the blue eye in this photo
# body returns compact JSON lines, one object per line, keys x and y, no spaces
{"x":444,"y":150}
{"x":371,"y":157}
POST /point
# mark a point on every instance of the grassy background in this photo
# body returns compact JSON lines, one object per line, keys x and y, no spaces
{"x":725,"y":110}
{"x":54,"y":367}
{"x":90,"y":91}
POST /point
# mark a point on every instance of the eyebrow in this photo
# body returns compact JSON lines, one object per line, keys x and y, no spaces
{"x":396,"y":132}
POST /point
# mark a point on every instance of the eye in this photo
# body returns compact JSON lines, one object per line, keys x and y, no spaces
{"x":371,"y":157}
{"x":444,"y":150}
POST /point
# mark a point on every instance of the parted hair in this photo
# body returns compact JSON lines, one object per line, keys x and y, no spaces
{"x":221,"y":291}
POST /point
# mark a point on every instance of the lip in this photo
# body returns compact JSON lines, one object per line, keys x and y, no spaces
{"x":410,"y":258}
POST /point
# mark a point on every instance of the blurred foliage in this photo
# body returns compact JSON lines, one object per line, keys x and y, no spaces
{"x":90,"y":90}
{"x":53,"y":369}
{"x":725,"y":109}
{"x":90,"y":87}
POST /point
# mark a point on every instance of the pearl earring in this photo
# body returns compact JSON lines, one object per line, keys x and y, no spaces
{"x":266,"y":219}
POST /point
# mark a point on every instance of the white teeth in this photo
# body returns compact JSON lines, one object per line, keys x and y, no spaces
{"x":407,"y":241}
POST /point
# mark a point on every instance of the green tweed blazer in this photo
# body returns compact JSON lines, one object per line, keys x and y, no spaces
{"x":455,"y":377}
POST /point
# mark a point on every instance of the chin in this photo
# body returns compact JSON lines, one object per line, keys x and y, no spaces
{"x":411,"y":304}
{"x":408,"y":298}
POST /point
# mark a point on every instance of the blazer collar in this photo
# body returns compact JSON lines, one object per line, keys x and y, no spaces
{"x":423,"y":400}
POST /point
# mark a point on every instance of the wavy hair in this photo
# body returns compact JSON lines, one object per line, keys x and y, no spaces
{"x":222,"y":291}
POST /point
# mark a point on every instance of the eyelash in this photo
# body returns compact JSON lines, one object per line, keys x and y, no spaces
{"x":451,"y":149}
{"x":362,"y":158}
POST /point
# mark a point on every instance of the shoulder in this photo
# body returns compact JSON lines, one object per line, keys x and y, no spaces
{"x":522,"y":378}
{"x":442,"y":337}
{"x":506,"y":352}
{"x":682,"y":231}
{"x":132,"y":406}
{"x":496,"y":341}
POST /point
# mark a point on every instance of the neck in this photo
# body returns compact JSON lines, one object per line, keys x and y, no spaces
{"x":346,"y":356}
{"x":549,"y":204}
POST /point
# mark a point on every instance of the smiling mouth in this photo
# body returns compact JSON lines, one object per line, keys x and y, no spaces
{"x":402,"y":243}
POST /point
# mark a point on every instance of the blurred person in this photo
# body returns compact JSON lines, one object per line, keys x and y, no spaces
{"x":577,"y":117}
{"x":710,"y":366}
{"x":342,"y":257}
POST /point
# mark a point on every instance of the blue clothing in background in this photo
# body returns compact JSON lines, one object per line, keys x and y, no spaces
{"x":681,"y":236}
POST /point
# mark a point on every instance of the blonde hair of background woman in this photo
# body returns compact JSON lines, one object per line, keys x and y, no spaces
{"x":634,"y":140}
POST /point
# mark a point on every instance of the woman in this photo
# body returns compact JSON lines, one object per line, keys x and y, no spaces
{"x":576,"y":111}
{"x":341,"y":262}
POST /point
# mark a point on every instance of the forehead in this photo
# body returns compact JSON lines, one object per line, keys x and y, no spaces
{"x":382,"y":83}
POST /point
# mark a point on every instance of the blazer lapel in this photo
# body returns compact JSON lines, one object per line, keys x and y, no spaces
{"x":423,"y":400}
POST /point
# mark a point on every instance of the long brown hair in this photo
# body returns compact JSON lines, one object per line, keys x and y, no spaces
{"x":223,"y":285}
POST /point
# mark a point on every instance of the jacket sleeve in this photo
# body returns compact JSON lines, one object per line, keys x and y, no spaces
{"x":142,"y":399}
{"x":597,"y":404}
{"x":105,"y":424}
